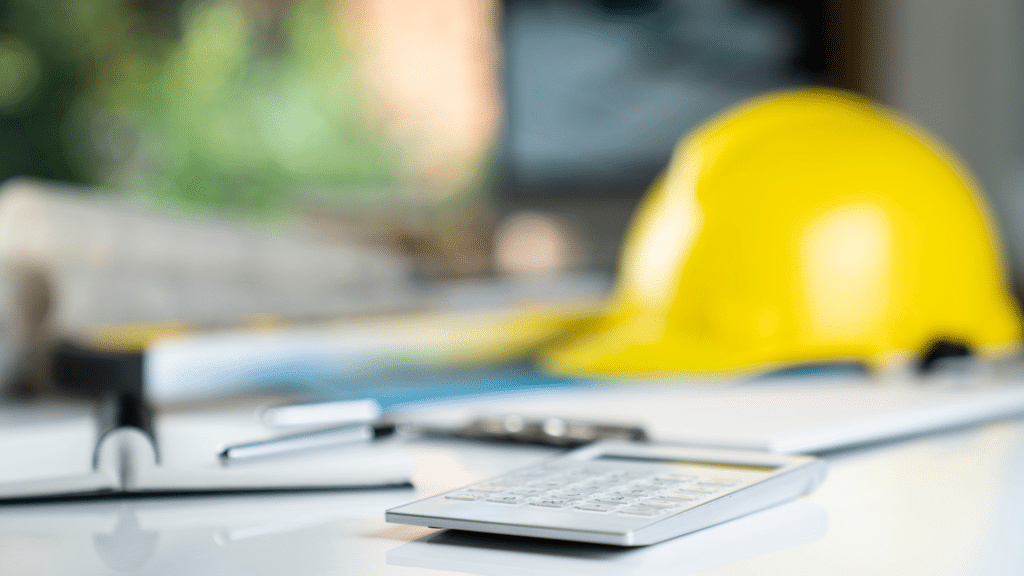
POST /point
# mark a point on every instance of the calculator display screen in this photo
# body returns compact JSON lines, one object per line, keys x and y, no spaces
{"x":697,"y":463}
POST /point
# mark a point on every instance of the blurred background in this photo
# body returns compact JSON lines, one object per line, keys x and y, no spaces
{"x":212,"y":161}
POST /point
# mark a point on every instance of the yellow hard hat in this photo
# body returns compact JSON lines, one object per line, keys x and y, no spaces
{"x":803,"y":226}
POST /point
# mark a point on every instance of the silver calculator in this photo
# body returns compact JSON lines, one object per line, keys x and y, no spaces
{"x":620,"y":493}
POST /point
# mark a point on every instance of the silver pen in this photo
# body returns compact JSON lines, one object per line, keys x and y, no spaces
{"x":339,"y":413}
{"x":305,"y":442}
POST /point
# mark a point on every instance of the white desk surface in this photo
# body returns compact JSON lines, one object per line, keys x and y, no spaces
{"x":943,"y":504}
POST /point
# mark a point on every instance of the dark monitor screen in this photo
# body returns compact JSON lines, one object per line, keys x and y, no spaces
{"x":598,"y":92}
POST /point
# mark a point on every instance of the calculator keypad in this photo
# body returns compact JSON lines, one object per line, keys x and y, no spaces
{"x":595,"y":489}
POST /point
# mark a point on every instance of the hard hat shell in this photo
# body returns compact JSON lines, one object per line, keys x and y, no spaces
{"x":801,"y":226}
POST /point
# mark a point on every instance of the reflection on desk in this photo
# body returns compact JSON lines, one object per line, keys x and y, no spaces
{"x":181,"y":535}
{"x":946,"y":504}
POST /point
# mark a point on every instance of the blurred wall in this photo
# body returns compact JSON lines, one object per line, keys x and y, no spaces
{"x":958,"y":67}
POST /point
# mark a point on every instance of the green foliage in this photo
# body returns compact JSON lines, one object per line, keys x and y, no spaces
{"x":229,"y":111}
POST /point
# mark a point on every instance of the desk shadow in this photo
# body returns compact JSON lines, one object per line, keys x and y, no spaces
{"x":777,"y":528}
{"x":525,"y":545}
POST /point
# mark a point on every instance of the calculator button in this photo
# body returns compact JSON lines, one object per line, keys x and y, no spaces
{"x":659,"y":484}
{"x":661,"y":503}
{"x":694,"y":489}
{"x":592,"y":488}
{"x":635,"y":492}
{"x":680,"y":497}
{"x":705,"y":486}
{"x":572,"y":494}
{"x":546,"y":485}
{"x":641,"y":511}
{"x":507,"y":498}
{"x":628,"y":475}
{"x":674,"y":478}
{"x":595,"y":506}
{"x":653,"y":486}
{"x":719,"y":482}
{"x":487,"y":488}
{"x":526,"y":491}
{"x":526,"y":475}
{"x":463,"y":496}
{"x":552,"y":503}
{"x":615,"y":499}
{"x":603,"y":480}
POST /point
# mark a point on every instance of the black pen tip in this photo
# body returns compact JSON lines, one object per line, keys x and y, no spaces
{"x":384,"y":430}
